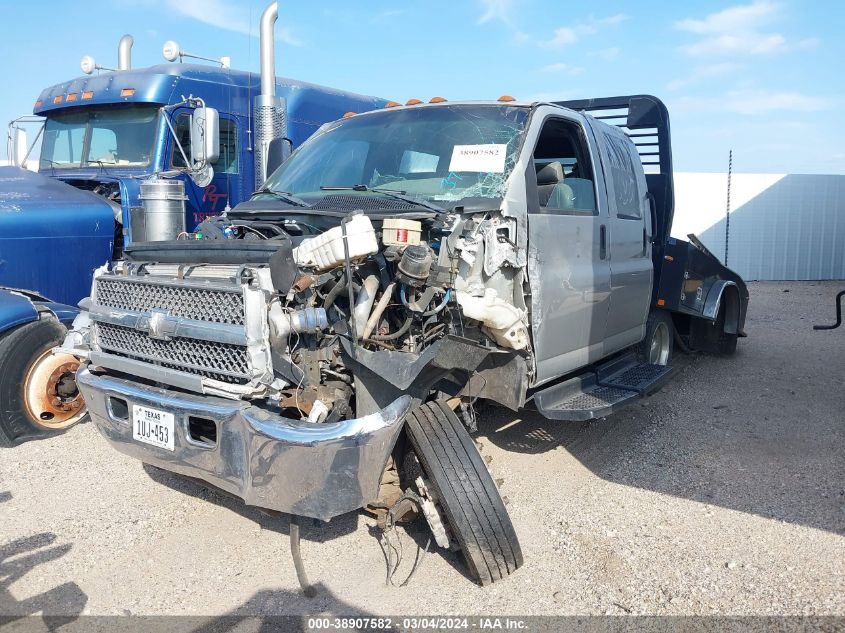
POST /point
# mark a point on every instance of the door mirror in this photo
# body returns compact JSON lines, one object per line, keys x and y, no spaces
{"x":205,"y":136}
{"x":19,"y":148}
{"x":277,"y":152}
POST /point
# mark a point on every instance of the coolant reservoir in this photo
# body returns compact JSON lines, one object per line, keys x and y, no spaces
{"x":326,"y":250}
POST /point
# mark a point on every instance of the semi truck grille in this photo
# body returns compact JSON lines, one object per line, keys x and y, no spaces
{"x":190,"y":302}
{"x":219,"y":361}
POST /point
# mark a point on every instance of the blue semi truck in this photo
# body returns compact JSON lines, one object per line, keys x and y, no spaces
{"x":216,"y":130}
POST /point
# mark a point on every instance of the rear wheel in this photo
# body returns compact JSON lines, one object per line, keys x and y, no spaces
{"x":725,"y":342}
{"x":38,"y":394}
{"x":466,"y":493}
{"x":656,"y":347}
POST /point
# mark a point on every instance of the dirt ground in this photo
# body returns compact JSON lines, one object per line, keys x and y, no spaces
{"x":722,"y":494}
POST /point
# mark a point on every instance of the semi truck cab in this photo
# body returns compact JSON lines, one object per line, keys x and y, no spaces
{"x":104,"y":137}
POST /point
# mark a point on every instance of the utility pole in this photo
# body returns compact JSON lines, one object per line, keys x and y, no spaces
{"x":728,"y":207}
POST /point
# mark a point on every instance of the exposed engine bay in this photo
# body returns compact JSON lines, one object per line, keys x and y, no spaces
{"x":342,"y":312}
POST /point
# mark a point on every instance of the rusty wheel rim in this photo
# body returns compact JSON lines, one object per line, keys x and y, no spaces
{"x":51,"y":397}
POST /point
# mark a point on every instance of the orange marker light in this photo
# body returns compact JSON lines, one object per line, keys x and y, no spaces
{"x":392,"y":104}
{"x":661,"y":302}
{"x":127,"y":92}
{"x":506,"y":98}
{"x":668,"y":258}
{"x":413,"y":102}
{"x":57,"y":99}
{"x":38,"y":103}
{"x":437,"y":100}
{"x":71,"y":97}
{"x":88,"y":94}
{"x":349,"y":114}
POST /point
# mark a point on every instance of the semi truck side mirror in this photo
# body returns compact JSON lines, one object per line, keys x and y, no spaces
{"x":278,"y":151}
{"x":19,"y":148}
{"x":205,"y":135}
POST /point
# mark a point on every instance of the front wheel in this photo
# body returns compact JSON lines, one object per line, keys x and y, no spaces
{"x":656,"y":347}
{"x":466,"y":493}
{"x":38,"y":393}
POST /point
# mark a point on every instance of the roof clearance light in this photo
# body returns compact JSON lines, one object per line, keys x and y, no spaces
{"x":38,"y":103}
{"x":127,"y":92}
{"x":88,"y":94}
{"x":57,"y":99}
{"x":437,"y":100}
{"x":349,"y":115}
{"x":413,"y":102}
{"x":506,"y":98}
{"x":71,"y":97}
{"x":392,"y":104}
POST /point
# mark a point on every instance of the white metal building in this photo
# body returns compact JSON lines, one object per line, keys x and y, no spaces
{"x":782,"y":226}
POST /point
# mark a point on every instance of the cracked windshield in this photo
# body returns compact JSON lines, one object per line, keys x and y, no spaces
{"x":434,"y":154}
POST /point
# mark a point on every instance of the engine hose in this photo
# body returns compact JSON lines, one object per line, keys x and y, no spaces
{"x":403,"y":296}
{"x":395,"y":335}
{"x":335,"y":291}
{"x":375,"y":317}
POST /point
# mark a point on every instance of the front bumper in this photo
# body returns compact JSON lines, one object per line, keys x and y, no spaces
{"x":313,"y":470}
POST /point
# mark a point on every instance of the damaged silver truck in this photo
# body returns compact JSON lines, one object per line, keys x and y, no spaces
{"x":319,"y":348}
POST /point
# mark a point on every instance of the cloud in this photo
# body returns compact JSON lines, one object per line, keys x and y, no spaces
{"x":224,"y":15}
{"x":701,"y":73}
{"x":496,"y":10}
{"x":607,"y":54}
{"x":755,"y":102}
{"x":562,"y":69}
{"x":566,"y":35}
{"x":738,"y":30}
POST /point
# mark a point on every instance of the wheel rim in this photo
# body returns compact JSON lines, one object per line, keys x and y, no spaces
{"x":658,"y":351}
{"x":51,"y":397}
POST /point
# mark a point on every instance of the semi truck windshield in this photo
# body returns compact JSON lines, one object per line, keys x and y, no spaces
{"x":440,"y":153}
{"x":113,"y":136}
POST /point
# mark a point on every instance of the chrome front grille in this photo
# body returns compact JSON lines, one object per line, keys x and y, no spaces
{"x":220,"y":361}
{"x":189,"y":301}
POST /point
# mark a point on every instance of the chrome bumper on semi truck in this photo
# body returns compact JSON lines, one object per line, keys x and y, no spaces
{"x":269,"y":461}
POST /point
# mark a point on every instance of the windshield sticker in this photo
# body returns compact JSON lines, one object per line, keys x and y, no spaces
{"x":487,"y":159}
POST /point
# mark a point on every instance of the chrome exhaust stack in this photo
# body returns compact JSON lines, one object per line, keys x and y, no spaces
{"x":270,"y":111}
{"x":124,"y":52}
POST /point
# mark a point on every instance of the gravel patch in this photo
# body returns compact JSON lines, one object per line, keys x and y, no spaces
{"x":722,"y":494}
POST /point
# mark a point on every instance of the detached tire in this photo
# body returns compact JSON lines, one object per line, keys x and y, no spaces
{"x":38,"y":395}
{"x":656,"y":347}
{"x":467,"y":494}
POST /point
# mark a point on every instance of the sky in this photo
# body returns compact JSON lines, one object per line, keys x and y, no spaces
{"x":760,"y":77}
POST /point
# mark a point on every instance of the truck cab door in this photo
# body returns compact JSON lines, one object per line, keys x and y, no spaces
{"x":568,"y":265}
{"x":629,"y":237}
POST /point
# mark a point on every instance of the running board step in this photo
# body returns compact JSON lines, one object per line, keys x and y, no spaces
{"x":599,"y":393}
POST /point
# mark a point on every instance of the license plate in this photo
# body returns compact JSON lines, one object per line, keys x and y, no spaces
{"x":152,"y":426}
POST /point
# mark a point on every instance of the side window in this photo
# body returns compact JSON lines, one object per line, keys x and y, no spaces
{"x":565,"y":178}
{"x":183,"y":133}
{"x":227,"y":163}
{"x":624,"y":175}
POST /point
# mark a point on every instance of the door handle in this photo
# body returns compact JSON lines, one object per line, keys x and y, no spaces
{"x":602,"y":242}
